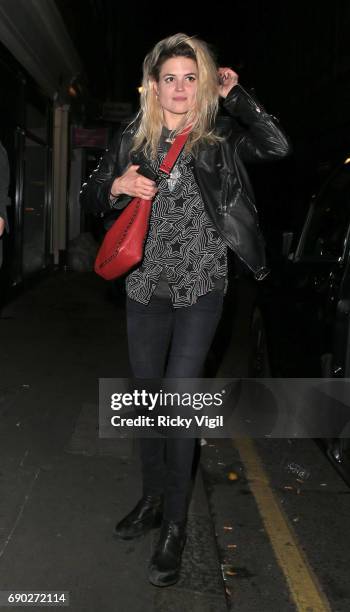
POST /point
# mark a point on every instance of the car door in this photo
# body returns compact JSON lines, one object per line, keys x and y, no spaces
{"x":321,"y":262}
{"x":322,"y":256}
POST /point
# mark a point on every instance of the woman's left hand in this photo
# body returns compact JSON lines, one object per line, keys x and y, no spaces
{"x":228,"y":79}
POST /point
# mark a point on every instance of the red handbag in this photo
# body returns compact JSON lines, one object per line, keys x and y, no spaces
{"x":123,"y":245}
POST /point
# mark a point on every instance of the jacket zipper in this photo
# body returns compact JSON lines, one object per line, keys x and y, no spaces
{"x":225,"y":194}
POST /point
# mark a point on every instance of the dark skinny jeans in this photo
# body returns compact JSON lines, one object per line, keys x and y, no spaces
{"x":184,"y":334}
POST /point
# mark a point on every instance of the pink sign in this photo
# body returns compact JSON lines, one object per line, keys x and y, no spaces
{"x":96,"y":138}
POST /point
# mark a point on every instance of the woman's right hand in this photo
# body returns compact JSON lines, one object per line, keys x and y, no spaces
{"x":134,"y":184}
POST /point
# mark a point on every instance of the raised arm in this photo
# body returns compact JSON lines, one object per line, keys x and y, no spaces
{"x":263,"y":138}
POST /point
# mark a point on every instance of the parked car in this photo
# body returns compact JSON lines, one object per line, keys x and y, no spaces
{"x":300,"y":324}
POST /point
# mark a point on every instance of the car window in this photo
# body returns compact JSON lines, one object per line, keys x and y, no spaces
{"x":328,"y":226}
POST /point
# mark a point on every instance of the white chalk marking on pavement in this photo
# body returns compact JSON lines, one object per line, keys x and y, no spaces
{"x":24,"y":458}
{"x":303,"y":583}
{"x":19,"y":515}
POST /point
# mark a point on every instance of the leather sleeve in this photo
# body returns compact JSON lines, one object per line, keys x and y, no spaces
{"x":94,"y":195}
{"x":263,"y":138}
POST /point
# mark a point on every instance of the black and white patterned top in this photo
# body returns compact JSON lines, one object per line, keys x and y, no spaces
{"x":182,"y":246}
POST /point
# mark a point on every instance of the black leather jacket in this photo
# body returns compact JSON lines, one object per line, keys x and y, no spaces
{"x":250,"y":135}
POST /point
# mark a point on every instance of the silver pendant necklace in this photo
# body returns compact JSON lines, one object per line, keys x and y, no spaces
{"x":171,"y":137}
{"x":173,"y":178}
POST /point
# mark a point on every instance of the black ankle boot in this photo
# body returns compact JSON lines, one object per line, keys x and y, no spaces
{"x":146,"y":515}
{"x":165,"y":564}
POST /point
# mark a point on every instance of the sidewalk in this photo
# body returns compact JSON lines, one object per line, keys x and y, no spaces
{"x":63,"y":488}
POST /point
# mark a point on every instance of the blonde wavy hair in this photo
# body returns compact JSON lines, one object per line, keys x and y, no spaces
{"x":202,"y":117}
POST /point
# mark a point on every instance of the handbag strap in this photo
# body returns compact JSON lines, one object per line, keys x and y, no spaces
{"x":175,"y":151}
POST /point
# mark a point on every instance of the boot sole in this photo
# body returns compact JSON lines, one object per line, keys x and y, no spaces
{"x":156,"y":579}
{"x":157,"y":523}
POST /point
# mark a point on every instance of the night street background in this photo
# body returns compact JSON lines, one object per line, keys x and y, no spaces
{"x":268,"y":520}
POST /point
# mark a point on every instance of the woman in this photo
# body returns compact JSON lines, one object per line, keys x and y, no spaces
{"x":175,"y":297}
